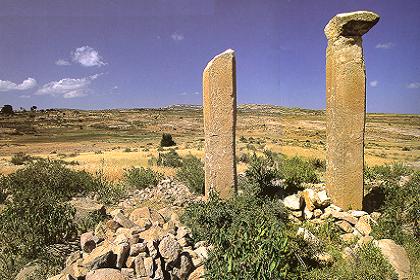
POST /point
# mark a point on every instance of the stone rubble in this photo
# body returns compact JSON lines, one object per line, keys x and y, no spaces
{"x":355,"y":225}
{"x":158,"y":249}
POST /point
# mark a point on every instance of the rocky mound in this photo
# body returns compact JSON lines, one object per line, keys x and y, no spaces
{"x":145,"y":244}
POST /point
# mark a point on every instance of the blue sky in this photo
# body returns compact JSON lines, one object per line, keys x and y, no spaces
{"x":137,"y":53}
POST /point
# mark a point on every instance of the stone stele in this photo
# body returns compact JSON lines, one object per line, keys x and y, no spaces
{"x":219,"y":109}
{"x":346,"y":106}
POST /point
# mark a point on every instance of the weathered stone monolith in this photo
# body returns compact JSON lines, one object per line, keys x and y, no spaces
{"x":346,"y":106}
{"x":219,"y":109}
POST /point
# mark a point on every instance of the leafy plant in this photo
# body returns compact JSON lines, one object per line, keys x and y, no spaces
{"x":192,"y":174}
{"x":108,"y":192}
{"x":167,"y":140}
{"x":248,"y":235}
{"x":22,"y":158}
{"x":262,"y":170}
{"x":169,"y":159}
{"x":296,"y":171}
{"x":140,"y":177}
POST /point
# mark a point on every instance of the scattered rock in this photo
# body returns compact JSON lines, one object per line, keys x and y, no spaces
{"x":106,"y":274}
{"x":310,"y":198}
{"x":169,"y":249}
{"x":322,"y":199}
{"x":363,"y":225}
{"x":293,"y":202}
{"x":345,"y":226}
{"x":87,"y":242}
{"x":397,"y":257}
{"x":344,"y":216}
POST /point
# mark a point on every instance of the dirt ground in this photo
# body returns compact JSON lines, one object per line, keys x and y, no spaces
{"x":113,"y":140}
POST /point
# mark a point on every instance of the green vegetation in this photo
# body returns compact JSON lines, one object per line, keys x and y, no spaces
{"x":167,"y":140}
{"x":398,"y":187}
{"x":192,"y":174}
{"x":169,"y":159}
{"x":294,"y":172}
{"x":37,"y":215}
{"x":21,"y":159}
{"x":248,"y":235}
{"x":140,"y":177}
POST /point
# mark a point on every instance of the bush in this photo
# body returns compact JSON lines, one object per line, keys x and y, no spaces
{"x":369,"y":265}
{"x":21,"y":159}
{"x":261,"y":172}
{"x":169,"y":159}
{"x":48,"y":177}
{"x":167,"y":140}
{"x":141,"y":178}
{"x":192,"y":174}
{"x":28,"y":225}
{"x":296,"y":171}
{"x":248,"y":235}
{"x":108,"y":192}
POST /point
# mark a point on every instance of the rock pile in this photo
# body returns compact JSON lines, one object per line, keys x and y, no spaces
{"x":145,"y":244}
{"x":355,"y":225}
{"x":167,"y":190}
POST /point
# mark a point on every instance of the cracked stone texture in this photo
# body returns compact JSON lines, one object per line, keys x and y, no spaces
{"x":346,"y":106}
{"x":219,"y":109}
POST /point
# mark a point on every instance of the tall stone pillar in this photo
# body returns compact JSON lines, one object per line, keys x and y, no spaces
{"x":346,"y":106}
{"x":219,"y":109}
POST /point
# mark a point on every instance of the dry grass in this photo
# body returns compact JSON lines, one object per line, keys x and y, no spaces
{"x":97,"y":139}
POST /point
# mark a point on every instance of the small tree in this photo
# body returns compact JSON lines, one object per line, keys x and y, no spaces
{"x":167,"y":140}
{"x":33,"y":108}
{"x":7,"y":110}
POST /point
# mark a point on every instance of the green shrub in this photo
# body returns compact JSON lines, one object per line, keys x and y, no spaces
{"x":192,"y":174}
{"x":169,"y":159}
{"x":167,"y":140}
{"x":22,"y":158}
{"x":296,"y":171}
{"x":248,"y":235}
{"x":27,"y":225}
{"x":262,"y":170}
{"x":3,"y":188}
{"x":48,"y":177}
{"x":108,"y":192}
{"x":370,"y":264}
{"x":140,"y":177}
{"x":89,"y":222}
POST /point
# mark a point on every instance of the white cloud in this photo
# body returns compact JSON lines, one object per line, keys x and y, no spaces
{"x":25,"y":85}
{"x":177,"y":36}
{"x":413,"y":85}
{"x":190,"y":93}
{"x":373,"y":83}
{"x":68,"y":88}
{"x":87,"y":57}
{"x":62,"y":62}
{"x":387,"y":45}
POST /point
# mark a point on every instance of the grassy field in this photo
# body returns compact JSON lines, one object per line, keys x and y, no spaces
{"x":113,"y":140}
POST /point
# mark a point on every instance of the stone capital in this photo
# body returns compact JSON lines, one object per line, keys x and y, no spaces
{"x":353,"y":24}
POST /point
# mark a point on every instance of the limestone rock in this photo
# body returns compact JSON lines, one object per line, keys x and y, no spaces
{"x":363,"y":225}
{"x":309,"y":196}
{"x":139,"y":266}
{"x":87,"y":242}
{"x":344,"y":216}
{"x":101,"y":257}
{"x":106,"y":274}
{"x":145,"y":216}
{"x":293,"y":202}
{"x":323,"y":199}
{"x":121,"y":219}
{"x":138,"y":248}
{"x":184,"y":267}
{"x":121,"y":250}
{"x":169,"y":249}
{"x":219,"y":110}
{"x":345,"y":226}
{"x":197,"y":274}
{"x":397,"y":257}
